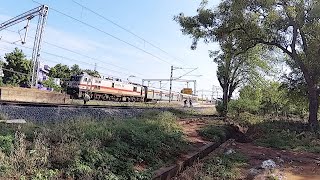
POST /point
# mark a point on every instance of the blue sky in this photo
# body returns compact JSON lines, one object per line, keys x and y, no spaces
{"x":152,"y":20}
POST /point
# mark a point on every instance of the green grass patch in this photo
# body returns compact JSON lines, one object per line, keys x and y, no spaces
{"x":285,"y":135}
{"x":224,"y":167}
{"x":88,"y":149}
{"x":214,"y":133}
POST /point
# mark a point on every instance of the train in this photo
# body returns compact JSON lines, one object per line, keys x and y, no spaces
{"x":114,"y":89}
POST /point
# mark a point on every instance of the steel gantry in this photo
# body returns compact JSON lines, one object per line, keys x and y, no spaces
{"x":42,"y":12}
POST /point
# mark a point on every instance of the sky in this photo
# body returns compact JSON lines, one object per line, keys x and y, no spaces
{"x":104,"y":48}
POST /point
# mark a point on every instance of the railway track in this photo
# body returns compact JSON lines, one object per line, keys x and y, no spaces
{"x":32,"y":104}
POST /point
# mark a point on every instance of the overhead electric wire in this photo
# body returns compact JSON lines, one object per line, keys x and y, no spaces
{"x":127,"y":30}
{"x":106,"y":33}
{"x":69,"y":50}
{"x":63,"y":57}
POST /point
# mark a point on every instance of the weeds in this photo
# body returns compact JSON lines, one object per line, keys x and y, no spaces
{"x":88,"y":149}
{"x":285,"y":135}
{"x":220,"y":167}
{"x":214,"y":133}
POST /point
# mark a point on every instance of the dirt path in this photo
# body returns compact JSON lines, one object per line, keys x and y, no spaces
{"x":190,"y":128}
{"x":290,"y":165}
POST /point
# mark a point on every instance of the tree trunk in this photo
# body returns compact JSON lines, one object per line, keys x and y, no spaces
{"x":225,"y":102}
{"x":313,"y":108}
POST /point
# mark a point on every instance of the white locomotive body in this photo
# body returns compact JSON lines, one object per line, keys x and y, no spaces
{"x":116,"y":90}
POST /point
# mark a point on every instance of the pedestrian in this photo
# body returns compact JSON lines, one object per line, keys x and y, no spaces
{"x":185,"y":103}
{"x":190,"y":102}
{"x":86,"y":98}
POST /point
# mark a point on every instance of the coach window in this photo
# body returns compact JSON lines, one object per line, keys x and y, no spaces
{"x":113,"y":85}
{"x":135,"y":89}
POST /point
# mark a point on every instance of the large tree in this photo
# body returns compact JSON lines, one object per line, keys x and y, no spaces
{"x":292,"y":26}
{"x":235,"y":70}
{"x":16,"y":69}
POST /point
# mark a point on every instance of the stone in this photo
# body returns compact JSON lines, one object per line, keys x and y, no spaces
{"x":268,"y":164}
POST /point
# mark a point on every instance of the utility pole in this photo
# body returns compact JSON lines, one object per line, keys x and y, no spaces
{"x":171,"y":77}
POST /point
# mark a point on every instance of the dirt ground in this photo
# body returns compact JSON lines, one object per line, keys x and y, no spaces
{"x":290,"y":165}
{"x":190,"y":127}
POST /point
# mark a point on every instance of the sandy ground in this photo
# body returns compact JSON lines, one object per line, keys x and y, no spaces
{"x":290,"y":165}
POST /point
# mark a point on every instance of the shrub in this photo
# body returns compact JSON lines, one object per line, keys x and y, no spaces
{"x":88,"y":149}
{"x":6,"y":144}
{"x":214,"y":133}
{"x":247,"y":119}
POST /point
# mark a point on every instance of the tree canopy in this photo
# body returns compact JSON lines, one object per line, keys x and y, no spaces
{"x":17,"y":68}
{"x":289,"y":25}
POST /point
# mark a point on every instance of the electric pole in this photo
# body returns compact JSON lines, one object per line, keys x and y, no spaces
{"x":170,"y":90}
{"x":42,"y":12}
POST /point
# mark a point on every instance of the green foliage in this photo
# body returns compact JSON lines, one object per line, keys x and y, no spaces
{"x":51,"y":84}
{"x":289,"y":26}
{"x":247,"y":119}
{"x":111,"y":149}
{"x":214,"y":133}
{"x":75,"y":70}
{"x":92,"y":72}
{"x":285,"y":135}
{"x":223,"y":167}
{"x":267,"y":98}
{"x":16,"y":61}
{"x":60,"y":71}
{"x":6,"y":143}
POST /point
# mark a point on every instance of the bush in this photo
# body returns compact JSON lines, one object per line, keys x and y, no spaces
{"x":248,"y":119}
{"x":88,"y":149}
{"x":214,"y":133}
{"x":285,"y":135}
{"x":220,"y":108}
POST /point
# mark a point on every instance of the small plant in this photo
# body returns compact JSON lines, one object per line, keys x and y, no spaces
{"x":214,"y":133}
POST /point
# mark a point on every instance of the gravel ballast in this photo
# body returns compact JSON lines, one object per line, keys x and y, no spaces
{"x":47,"y":114}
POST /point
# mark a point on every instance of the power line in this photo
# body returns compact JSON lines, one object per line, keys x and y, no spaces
{"x":127,"y":30}
{"x":63,"y":57}
{"x":54,"y":45}
{"x":8,"y":51}
{"x":106,"y":33}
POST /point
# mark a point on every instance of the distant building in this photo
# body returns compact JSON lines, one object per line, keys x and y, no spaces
{"x":44,"y":75}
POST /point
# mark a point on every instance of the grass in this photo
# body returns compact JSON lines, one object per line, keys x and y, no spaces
{"x":285,"y":135}
{"x":216,"y":166}
{"x":214,"y":133}
{"x":88,"y":149}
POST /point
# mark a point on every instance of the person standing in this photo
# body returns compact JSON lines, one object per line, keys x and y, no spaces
{"x":86,"y":98}
{"x":190,"y":102}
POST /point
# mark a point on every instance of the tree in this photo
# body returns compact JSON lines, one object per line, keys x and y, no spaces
{"x":92,"y":72}
{"x":289,"y":25}
{"x":75,"y":70}
{"x":17,"y":69}
{"x":236,"y":70}
{"x":60,"y":71}
{"x":51,"y":84}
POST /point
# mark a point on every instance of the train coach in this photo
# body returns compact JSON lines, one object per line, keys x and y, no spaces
{"x":110,"y":89}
